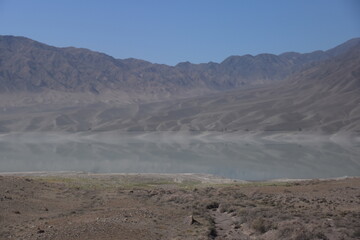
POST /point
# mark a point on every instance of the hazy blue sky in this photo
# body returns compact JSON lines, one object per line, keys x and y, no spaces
{"x":169,"y":31}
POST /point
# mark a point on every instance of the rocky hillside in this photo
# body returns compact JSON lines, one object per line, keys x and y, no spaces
{"x":324,"y":97}
{"x":30,"y":66}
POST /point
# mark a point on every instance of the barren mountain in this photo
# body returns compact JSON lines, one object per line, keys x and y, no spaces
{"x":67,"y":89}
{"x":27,"y":67}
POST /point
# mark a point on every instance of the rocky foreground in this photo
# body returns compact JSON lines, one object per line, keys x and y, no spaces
{"x":118,"y":206}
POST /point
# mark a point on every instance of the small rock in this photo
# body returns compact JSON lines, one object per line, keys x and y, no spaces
{"x":213,"y":205}
{"x":191,"y":221}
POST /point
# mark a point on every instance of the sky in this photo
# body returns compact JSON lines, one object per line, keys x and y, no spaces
{"x":173,"y":31}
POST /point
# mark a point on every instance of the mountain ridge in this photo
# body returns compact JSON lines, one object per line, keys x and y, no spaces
{"x":322,"y":97}
{"x":28,"y":65}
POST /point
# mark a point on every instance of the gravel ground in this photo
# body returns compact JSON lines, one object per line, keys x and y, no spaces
{"x":151,"y":206}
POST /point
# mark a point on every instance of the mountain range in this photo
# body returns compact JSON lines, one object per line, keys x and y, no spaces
{"x":44,"y":88}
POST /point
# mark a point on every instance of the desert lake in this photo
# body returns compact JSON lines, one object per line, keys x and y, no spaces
{"x":239,"y":156}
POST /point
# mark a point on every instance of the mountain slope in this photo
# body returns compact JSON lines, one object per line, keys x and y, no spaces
{"x":27,"y":66}
{"x":323,"y":98}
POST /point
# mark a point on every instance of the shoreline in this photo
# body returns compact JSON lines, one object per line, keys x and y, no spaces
{"x":176,"y":177}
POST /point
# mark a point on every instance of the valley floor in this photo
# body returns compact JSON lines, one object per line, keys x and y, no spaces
{"x":133,"y":206}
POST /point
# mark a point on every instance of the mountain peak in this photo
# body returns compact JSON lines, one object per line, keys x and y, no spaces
{"x":28,"y":65}
{"x":344,"y":47}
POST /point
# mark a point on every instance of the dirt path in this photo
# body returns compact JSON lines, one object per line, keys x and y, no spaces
{"x":226,"y":226}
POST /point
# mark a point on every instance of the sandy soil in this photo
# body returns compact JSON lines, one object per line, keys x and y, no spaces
{"x":82,"y":206}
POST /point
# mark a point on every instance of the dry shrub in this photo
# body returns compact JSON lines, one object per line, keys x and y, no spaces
{"x":261,"y":225}
{"x":213,"y":205}
{"x":356,"y":233}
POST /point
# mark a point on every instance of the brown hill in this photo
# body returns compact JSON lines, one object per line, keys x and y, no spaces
{"x":30,"y":66}
{"x":322,"y":98}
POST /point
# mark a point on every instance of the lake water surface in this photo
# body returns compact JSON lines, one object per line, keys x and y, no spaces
{"x":246,"y":157}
